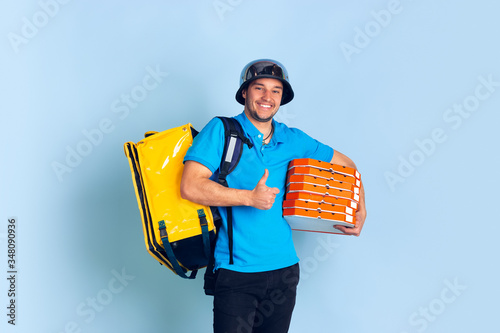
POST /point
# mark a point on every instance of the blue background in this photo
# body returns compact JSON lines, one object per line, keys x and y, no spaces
{"x":373,"y":79}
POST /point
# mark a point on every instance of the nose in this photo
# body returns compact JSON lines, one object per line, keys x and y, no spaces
{"x":266,"y":95}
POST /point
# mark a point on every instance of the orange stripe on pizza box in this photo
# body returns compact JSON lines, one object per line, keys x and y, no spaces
{"x":309,"y":224}
{"x":323,"y":182}
{"x":305,"y":196}
{"x":326,"y":174}
{"x":304,"y":187}
{"x":344,"y":219}
{"x":304,"y":220}
{"x":325,"y":166}
{"x":318,"y":206}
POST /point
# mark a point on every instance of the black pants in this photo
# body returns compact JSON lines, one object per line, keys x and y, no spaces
{"x":255,"y":302}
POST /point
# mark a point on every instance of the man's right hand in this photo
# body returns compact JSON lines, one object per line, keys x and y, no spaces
{"x":262,"y":196}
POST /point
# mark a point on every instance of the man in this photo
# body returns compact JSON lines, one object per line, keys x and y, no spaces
{"x":256,"y":293}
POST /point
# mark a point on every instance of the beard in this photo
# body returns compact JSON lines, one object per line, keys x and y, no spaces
{"x":256,"y":116}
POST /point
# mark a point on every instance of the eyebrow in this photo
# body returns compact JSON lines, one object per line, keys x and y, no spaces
{"x":260,"y":84}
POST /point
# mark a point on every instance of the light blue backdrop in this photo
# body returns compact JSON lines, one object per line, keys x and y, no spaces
{"x":408,"y":89}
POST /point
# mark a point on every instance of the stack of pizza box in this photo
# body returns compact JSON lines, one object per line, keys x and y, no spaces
{"x":320,"y":195}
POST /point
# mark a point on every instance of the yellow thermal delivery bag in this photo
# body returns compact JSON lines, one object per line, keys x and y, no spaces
{"x":177,"y":232}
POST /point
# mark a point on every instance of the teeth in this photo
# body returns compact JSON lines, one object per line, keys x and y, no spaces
{"x":265,"y":106}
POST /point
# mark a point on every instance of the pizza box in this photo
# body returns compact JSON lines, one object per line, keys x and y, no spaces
{"x":322,"y":190}
{"x":293,"y":178}
{"x":304,"y":196}
{"x":333,"y":168}
{"x":321,"y":173}
{"x":318,"y":206}
{"x":303,"y":220}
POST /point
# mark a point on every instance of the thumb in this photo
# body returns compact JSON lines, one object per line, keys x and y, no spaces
{"x":263,"y":180}
{"x":275,"y":190}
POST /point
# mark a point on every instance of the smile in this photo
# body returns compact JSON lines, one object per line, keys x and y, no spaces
{"x":265,"y":106}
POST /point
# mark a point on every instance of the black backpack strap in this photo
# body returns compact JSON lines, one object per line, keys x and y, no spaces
{"x":209,"y":278}
{"x":233,"y":149}
{"x":170,"y":254}
{"x":234,"y":142}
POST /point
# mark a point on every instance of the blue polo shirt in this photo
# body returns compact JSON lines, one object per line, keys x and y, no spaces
{"x":262,"y":239}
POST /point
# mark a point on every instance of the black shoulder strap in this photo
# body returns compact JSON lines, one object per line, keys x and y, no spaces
{"x":233,"y":149}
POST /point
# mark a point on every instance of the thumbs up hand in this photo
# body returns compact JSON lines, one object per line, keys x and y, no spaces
{"x":263,"y":196}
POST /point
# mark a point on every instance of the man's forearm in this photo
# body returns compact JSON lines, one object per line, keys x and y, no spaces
{"x":196,"y":186}
{"x":341,"y":159}
{"x":209,"y":193}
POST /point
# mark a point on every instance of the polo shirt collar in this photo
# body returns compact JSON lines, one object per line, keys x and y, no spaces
{"x":278,"y":135}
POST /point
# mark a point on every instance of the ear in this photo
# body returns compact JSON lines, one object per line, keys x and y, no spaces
{"x":244,"y":93}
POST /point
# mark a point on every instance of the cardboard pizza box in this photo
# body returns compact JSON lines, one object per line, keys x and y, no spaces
{"x":332,"y":168}
{"x":322,"y":190}
{"x":329,"y":183}
{"x":305,"y":220}
{"x":322,"y":173}
{"x":304,"y":196}
{"x":318,"y":206}
{"x":320,"y":195}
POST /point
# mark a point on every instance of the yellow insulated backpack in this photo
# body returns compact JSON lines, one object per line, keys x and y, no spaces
{"x":177,"y":232}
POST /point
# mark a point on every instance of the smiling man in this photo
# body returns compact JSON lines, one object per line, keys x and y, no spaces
{"x":264,"y":96}
{"x":256,"y":292}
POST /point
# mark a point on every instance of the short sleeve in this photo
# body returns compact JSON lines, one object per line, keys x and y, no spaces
{"x":208,"y":145}
{"x":307,"y":147}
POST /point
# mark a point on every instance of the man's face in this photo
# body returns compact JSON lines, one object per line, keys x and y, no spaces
{"x":263,"y":98}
